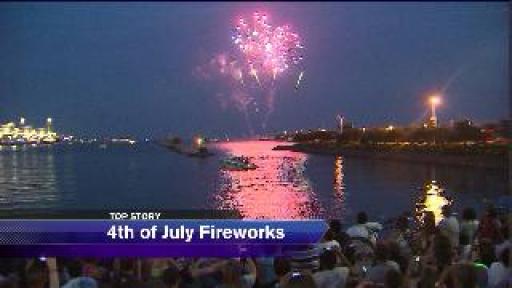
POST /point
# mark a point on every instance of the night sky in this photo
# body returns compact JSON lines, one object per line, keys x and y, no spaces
{"x":128,"y":68}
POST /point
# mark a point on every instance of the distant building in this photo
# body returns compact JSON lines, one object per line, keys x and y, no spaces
{"x":463,"y":123}
{"x":431,"y":123}
{"x":10,"y":133}
{"x":506,"y":128}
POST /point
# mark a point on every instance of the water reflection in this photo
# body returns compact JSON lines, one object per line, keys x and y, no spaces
{"x":432,"y":200}
{"x":277,"y":189}
{"x":27,"y":179}
{"x":339,"y":187}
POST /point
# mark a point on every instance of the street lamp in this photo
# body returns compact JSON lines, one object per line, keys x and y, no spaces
{"x":434,"y":101}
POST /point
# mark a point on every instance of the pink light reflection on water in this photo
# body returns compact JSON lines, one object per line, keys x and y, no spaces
{"x":277,"y":189}
{"x":339,"y":187}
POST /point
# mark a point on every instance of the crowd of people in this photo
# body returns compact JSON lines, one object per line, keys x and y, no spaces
{"x":455,"y":252}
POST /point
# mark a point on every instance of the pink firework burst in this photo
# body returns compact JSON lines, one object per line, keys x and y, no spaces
{"x":267,"y":50}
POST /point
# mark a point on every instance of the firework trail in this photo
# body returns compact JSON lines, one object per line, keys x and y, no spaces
{"x":301,"y":75}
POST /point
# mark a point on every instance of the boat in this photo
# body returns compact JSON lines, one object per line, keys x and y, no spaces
{"x":266,"y":138}
{"x":125,"y":140}
{"x":238,"y":163}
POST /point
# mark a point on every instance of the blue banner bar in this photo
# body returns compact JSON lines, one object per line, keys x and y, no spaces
{"x":188,"y":238}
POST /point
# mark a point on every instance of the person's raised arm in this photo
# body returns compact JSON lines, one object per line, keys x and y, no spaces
{"x":53,"y":273}
{"x":138,"y":269}
{"x":251,"y":266}
{"x":343,"y":260}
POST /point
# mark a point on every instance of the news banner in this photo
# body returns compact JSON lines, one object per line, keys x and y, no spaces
{"x":126,"y":234}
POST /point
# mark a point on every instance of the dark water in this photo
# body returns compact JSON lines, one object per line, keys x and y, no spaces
{"x":286,"y":184}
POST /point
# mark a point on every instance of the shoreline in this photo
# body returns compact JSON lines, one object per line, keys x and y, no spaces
{"x":494,"y":161}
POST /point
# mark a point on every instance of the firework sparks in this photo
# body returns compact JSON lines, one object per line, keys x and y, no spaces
{"x":262,"y":54}
{"x":301,"y":75}
{"x":268,"y":51}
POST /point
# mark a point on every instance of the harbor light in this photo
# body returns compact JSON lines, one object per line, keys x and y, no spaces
{"x":199,"y":141}
{"x":22,"y":121}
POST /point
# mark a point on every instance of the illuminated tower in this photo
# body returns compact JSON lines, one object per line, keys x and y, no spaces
{"x":340,"y":118}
